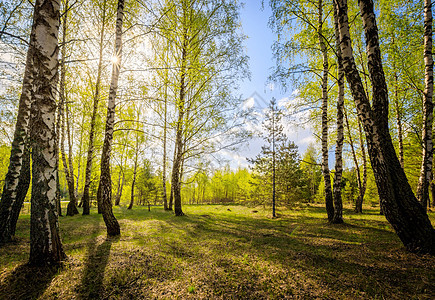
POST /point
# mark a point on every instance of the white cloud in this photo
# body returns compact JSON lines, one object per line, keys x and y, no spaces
{"x":236,"y":160}
{"x":248,"y":103}
{"x":295,"y":93}
{"x":284,"y":102}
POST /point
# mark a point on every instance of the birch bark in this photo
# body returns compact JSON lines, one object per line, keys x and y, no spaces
{"x":427,"y":157}
{"x":398,"y":202}
{"x":105,"y":186}
{"x":338,"y":204}
{"x":96,"y":100}
{"x":19,"y":161}
{"x":329,"y":201}
{"x":45,"y":243}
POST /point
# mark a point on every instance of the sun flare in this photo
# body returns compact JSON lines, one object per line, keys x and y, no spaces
{"x":115,"y":59}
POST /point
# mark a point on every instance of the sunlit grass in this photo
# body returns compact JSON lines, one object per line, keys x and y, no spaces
{"x":223,"y":252}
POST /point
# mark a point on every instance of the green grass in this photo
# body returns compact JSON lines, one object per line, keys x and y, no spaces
{"x":222,"y":252}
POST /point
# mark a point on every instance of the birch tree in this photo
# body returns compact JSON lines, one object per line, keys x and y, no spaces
{"x":205,"y":45}
{"x":45,"y":243}
{"x":96,"y":100}
{"x":105,"y":186}
{"x":427,"y":157}
{"x":338,"y":205}
{"x":63,"y":117}
{"x":329,"y":200}
{"x":398,"y":202}
{"x":312,"y":41}
{"x":17,"y":179}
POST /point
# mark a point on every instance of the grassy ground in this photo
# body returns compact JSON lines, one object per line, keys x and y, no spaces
{"x":222,"y":252}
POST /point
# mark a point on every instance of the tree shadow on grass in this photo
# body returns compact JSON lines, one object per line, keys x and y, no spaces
{"x":27,"y":282}
{"x":91,"y":285}
{"x":329,"y":258}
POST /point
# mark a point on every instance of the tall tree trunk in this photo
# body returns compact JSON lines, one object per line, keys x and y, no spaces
{"x":72,"y":207}
{"x":165,"y":128}
{"x":426,"y":164}
{"x":273,"y":162}
{"x":176,"y":182}
{"x":22,"y":188}
{"x":17,"y":180}
{"x":70,"y":153}
{"x":79,"y":163}
{"x":120,"y":187}
{"x":338,"y":204}
{"x":171,"y":195}
{"x":57,"y":151}
{"x":134,"y":176}
{"x":105,"y":186}
{"x":363,"y":189}
{"x":329,"y":202}
{"x":362,"y":183}
{"x":45,"y":243}
{"x":120,"y":178}
{"x":355,"y":161}
{"x":399,"y":204}
{"x":398,"y":120}
{"x":88,"y":171}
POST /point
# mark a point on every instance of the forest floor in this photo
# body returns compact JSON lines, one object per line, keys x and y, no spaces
{"x":222,"y":252}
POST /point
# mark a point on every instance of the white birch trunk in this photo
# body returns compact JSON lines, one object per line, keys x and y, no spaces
{"x":105,"y":186}
{"x":325,"y":155}
{"x":427,"y":156}
{"x":45,"y":243}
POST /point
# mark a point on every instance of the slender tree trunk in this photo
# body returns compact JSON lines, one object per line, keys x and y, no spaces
{"x":398,"y":121}
{"x":329,"y":202}
{"x":134,"y":177}
{"x":70,"y":153}
{"x":355,"y":161}
{"x":17,"y":179}
{"x":362,"y":191}
{"x":88,"y":171}
{"x":57,"y":151}
{"x":176,"y":184}
{"x":120,"y":187}
{"x":178,"y":158}
{"x":171,"y":197}
{"x":105,"y":186}
{"x":427,"y":157}
{"x":22,"y":188}
{"x":273,"y":165}
{"x":338,"y":204}
{"x":399,"y":204}
{"x":79,"y":163}
{"x":121,"y":178}
{"x":165,"y":128}
{"x":362,"y":183}
{"x":45,"y":243}
{"x":72,"y":207}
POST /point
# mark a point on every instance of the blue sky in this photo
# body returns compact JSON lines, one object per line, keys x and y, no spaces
{"x":258,"y":47}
